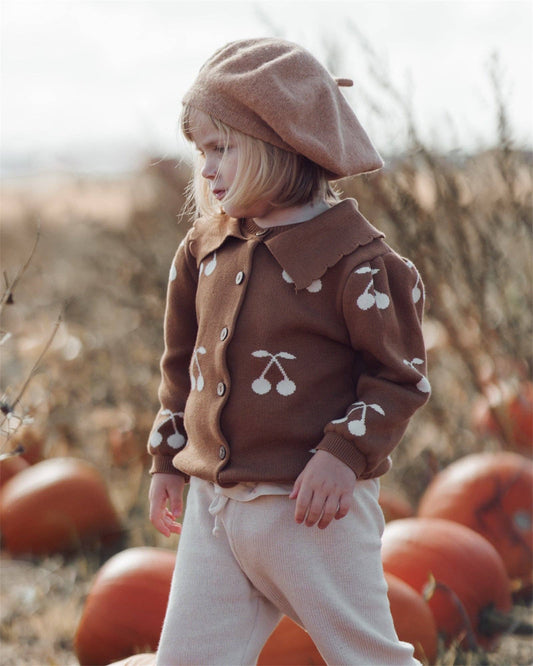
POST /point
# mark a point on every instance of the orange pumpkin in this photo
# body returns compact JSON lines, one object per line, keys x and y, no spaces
{"x":125,"y":607}
{"x":413,"y":619}
{"x":54,"y":506}
{"x":492,"y":493}
{"x":289,"y":645}
{"x":468,"y":574}
{"x":394,"y":505}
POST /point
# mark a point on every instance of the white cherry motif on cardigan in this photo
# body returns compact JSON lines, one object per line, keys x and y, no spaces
{"x":173,"y":273}
{"x":197,"y":378}
{"x":357,"y":427}
{"x":423,"y":385}
{"x":416,"y":292}
{"x":371,"y":296}
{"x":175,"y":441}
{"x":261,"y":385}
{"x":313,"y":288}
{"x":209,"y":267}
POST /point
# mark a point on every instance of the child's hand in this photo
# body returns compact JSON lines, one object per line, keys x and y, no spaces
{"x":166,"y":490}
{"x":323,"y":490}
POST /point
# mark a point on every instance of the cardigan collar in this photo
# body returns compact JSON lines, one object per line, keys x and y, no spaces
{"x":304,"y":250}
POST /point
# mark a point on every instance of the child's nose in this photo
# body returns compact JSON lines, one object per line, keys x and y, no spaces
{"x":209,"y":170}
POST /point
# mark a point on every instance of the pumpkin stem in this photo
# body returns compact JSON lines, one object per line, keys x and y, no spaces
{"x":432,"y":586}
{"x":493,"y":621}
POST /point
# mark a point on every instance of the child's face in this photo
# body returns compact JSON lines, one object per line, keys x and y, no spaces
{"x":220,"y":164}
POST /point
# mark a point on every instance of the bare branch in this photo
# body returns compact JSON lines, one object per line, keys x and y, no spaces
{"x":9,"y":409}
{"x":7,"y":296}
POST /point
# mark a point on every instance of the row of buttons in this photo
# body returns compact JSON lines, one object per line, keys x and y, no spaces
{"x":221,"y":387}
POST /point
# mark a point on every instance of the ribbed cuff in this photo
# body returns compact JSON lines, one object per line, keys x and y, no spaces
{"x":344,"y":450}
{"x":163,"y":465}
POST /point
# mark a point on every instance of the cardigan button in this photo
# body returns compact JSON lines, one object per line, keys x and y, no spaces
{"x":224,"y":333}
{"x":221,"y":388}
{"x":222,"y":452}
{"x":239,"y":277}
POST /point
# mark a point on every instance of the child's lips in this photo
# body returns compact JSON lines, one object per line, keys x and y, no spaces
{"x":219,"y":194}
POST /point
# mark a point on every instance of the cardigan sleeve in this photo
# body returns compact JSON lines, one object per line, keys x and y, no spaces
{"x":168,"y":434}
{"x":382,"y":303}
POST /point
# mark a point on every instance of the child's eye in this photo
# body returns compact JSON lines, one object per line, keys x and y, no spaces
{"x":221,"y":149}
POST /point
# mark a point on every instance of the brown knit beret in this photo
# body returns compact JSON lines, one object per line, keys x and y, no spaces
{"x":277,"y":91}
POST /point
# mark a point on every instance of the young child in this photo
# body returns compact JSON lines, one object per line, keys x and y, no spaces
{"x":293,"y":361}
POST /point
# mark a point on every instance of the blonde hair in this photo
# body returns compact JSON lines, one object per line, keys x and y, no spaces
{"x":264,"y":173}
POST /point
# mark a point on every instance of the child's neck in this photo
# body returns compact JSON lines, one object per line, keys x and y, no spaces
{"x":280,"y":217}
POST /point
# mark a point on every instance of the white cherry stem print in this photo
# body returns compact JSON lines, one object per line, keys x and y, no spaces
{"x":197,"y":383}
{"x":175,"y":441}
{"x":262,"y":385}
{"x":423,"y":385}
{"x":416,"y":292}
{"x":357,"y":427}
{"x":367,"y":299}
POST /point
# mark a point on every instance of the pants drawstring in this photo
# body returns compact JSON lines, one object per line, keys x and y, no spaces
{"x":215,"y":508}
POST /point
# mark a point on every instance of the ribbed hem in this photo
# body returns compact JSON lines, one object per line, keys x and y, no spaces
{"x":344,"y":450}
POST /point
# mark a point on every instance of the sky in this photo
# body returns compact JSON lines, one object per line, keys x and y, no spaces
{"x":96,"y":85}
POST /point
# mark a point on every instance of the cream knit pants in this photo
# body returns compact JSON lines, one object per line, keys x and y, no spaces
{"x":240,"y":567}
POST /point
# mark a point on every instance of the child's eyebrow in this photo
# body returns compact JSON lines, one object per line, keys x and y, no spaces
{"x":209,"y":143}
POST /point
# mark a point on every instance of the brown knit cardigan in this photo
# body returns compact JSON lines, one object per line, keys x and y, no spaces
{"x":283,"y":342}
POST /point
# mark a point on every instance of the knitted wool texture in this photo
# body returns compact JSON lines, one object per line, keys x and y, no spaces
{"x":260,"y":564}
{"x":276,"y":91}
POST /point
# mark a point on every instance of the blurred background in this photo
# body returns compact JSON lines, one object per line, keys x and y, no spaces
{"x":93,"y":174}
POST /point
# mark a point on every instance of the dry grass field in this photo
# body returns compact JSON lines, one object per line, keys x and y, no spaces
{"x":103,"y":249}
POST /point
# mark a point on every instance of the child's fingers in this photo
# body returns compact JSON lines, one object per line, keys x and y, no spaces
{"x":166,"y":503}
{"x":160,"y":516}
{"x":171,"y":523}
{"x":157,"y":508}
{"x":295,"y":489}
{"x":303,"y":501}
{"x":315,"y":510}
{"x":345,"y":504}
{"x":176,"y":505}
{"x":330,"y":511}
{"x":160,"y":522}
{"x":160,"y":525}
{"x":166,"y":523}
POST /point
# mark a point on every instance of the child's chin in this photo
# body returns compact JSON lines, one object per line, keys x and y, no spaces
{"x":234,"y":211}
